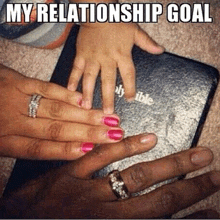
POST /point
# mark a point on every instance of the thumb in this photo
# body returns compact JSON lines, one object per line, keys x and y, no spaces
{"x":145,"y":42}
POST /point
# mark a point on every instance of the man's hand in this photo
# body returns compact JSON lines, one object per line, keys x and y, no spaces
{"x":69,"y":192}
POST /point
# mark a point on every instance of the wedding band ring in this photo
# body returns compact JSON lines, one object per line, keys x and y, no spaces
{"x":33,"y":105}
{"x":118,"y":186}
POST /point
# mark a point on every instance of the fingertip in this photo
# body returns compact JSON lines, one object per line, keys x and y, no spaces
{"x":86,"y":104}
{"x":130,"y":95}
{"x":130,"y":99}
{"x":145,"y":42}
{"x":79,"y":102}
{"x":71,"y":87}
{"x":110,"y":121}
{"x":149,"y":138}
{"x":201,"y":156}
{"x":158,"y":49}
{"x":86,"y":146}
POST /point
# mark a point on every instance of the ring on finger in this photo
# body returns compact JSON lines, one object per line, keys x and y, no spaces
{"x":33,"y":105}
{"x":118,"y":186}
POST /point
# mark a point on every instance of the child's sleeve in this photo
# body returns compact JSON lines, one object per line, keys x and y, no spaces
{"x":43,"y":35}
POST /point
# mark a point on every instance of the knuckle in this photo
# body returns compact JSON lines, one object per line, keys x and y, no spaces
{"x":34,"y":149}
{"x":99,"y":153}
{"x":129,"y":147}
{"x":108,"y":79}
{"x":54,"y":130}
{"x":69,"y":98}
{"x":89,"y":74}
{"x":44,"y":88}
{"x":73,"y":81}
{"x":130,"y":75}
{"x":168,"y":200}
{"x":76,"y":67}
{"x":9,"y":126}
{"x":178,"y":165}
{"x":138,"y":176}
{"x":56,"y":109}
{"x":120,"y":52}
{"x":67,"y":149}
{"x":91,"y":116}
{"x":92,"y":134}
{"x":200,"y":185}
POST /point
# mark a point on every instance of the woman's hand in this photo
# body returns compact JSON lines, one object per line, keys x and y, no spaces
{"x":106,"y":47}
{"x":69,"y":192}
{"x":60,"y":127}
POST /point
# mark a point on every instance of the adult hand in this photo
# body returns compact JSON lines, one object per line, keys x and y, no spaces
{"x":69,"y":192}
{"x":60,"y":127}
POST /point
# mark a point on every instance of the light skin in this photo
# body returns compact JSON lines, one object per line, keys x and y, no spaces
{"x":106,"y":48}
{"x":69,"y":192}
{"x":60,"y":127}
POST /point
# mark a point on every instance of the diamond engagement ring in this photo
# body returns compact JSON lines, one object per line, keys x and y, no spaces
{"x":118,"y":186}
{"x":33,"y":105}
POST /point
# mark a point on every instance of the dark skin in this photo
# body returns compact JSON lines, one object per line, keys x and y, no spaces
{"x":69,"y":192}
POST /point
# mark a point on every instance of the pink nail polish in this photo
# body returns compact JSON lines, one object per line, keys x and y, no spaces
{"x":87,"y":146}
{"x":79,"y":102}
{"x":115,"y":134}
{"x":33,"y":18}
{"x":110,"y":121}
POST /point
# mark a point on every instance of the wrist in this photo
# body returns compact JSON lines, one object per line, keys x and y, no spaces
{"x":92,"y":11}
{"x":17,"y":204}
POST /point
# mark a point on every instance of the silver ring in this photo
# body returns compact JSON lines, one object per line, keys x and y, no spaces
{"x":118,"y":186}
{"x":33,"y":105}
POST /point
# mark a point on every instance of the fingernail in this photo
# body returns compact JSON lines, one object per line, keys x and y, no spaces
{"x":87,"y":146}
{"x":33,"y":18}
{"x":202,"y":157}
{"x":110,"y":121}
{"x":79,"y":102}
{"x":147,"y":138}
{"x":215,"y":178}
{"x":115,"y":134}
{"x":131,"y":99}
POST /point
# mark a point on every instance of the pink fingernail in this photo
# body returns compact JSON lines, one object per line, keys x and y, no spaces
{"x":115,"y":134}
{"x":33,"y":18}
{"x":110,"y":121}
{"x":79,"y":102}
{"x":87,"y":146}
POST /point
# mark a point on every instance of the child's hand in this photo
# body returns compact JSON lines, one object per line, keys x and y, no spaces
{"x":107,"y":47}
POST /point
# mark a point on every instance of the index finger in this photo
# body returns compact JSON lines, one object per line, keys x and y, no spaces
{"x":48,"y":90}
{"x":103,"y":155}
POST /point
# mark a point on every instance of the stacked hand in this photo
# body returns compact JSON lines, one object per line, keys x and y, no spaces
{"x":106,"y":47}
{"x":69,"y":192}
{"x":60,"y":127}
